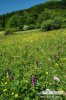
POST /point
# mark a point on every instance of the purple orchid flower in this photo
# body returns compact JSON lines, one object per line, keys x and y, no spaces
{"x":11,"y":77}
{"x":33,"y":80}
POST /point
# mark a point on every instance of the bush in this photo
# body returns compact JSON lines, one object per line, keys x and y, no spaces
{"x":58,"y":22}
{"x":9,"y":31}
{"x":1,"y":28}
{"x":64,"y":23}
{"x":28,"y":27}
{"x":25,"y":27}
{"x":15,"y":29}
{"x":31,"y":26}
{"x":48,"y":25}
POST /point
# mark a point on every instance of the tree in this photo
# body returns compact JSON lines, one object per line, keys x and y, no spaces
{"x":63,"y":0}
{"x":45,"y":15}
{"x":12,"y":21}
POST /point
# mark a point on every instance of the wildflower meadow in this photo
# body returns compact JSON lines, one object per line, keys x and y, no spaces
{"x":30,"y":62}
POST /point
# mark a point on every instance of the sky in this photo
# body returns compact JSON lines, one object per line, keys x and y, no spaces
{"x":14,"y":5}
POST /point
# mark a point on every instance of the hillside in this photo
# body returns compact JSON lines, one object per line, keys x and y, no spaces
{"x":33,"y":13}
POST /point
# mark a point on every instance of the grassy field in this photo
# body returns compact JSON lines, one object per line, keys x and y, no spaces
{"x":31,"y":62}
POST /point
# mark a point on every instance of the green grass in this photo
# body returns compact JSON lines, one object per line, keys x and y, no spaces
{"x":41,"y":54}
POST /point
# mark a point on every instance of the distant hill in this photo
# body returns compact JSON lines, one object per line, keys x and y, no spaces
{"x":34,"y":11}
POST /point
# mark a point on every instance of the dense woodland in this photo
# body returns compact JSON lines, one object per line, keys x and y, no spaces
{"x":47,"y":16}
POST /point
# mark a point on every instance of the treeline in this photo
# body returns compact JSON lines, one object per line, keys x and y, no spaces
{"x":45,"y":16}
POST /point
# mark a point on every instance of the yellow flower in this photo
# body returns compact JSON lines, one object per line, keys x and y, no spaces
{"x":46,"y":73}
{"x":2,"y":79}
{"x":4,"y":90}
{"x":36,"y":68}
{"x":5,"y":83}
{"x":56,"y":65}
{"x":62,"y":92}
{"x":12,"y":93}
{"x":16,"y":95}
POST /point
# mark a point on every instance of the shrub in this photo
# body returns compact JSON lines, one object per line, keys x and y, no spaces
{"x":1,"y":28}
{"x":64,"y":23}
{"x":58,"y":22}
{"x":15,"y":29}
{"x":48,"y":25}
{"x":31,"y":26}
{"x":9,"y":32}
{"x":25,"y":27}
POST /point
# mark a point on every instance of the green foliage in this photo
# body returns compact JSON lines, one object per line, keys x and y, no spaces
{"x":13,"y":21}
{"x":9,"y":31}
{"x":47,"y":25}
{"x":56,"y":23}
{"x":32,"y":53}
{"x":46,"y":15}
{"x":25,"y":27}
{"x":31,"y":26}
{"x":20,"y":22}
{"x":38,"y":13}
{"x":1,"y":28}
{"x":35,"y":16}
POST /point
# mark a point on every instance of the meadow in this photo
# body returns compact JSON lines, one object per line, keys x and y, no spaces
{"x":30,"y":62}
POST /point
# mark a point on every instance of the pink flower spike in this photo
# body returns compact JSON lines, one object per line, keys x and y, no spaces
{"x":11,"y":77}
{"x":33,"y":80}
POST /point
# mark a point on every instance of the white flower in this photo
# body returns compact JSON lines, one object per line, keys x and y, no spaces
{"x":48,"y":90}
{"x":56,"y":79}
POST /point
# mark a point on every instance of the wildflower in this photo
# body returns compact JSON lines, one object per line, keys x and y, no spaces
{"x":5,"y":83}
{"x":36,"y":68}
{"x":62,"y":92}
{"x":31,"y":41}
{"x":4,"y":90}
{"x":48,"y":83}
{"x":56,"y":64}
{"x":11,"y":77}
{"x":56,"y":79}
{"x":46,"y":73}
{"x":33,"y":80}
{"x":12,"y":93}
{"x":2,"y":79}
{"x":16,"y":95}
{"x":47,"y":89}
